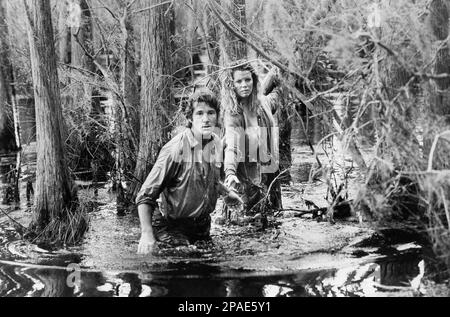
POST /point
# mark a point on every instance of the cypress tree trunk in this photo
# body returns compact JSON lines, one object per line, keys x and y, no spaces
{"x":84,"y":35}
{"x":156,"y":95}
{"x":82,"y":41}
{"x":129,"y":77}
{"x":438,"y":185}
{"x":54,"y":190}
{"x":209,"y":30}
{"x":91,"y":152}
{"x":233,"y":49}
{"x":439,"y":21}
{"x":63,"y":38}
{"x":126,"y":115}
{"x":7,"y":135}
{"x":439,"y":93}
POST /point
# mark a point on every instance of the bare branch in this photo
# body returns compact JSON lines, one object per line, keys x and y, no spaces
{"x":152,"y":7}
{"x":433,"y":149}
{"x":444,"y":199}
{"x":130,"y":4}
{"x":109,"y":10}
{"x":245,"y":40}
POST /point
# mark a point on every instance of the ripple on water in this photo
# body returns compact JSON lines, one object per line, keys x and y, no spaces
{"x":241,"y":262}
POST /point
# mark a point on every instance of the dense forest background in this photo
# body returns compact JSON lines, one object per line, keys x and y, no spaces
{"x":106,"y":81}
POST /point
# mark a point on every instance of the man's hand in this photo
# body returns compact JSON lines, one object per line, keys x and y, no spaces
{"x":231,"y":180}
{"x":147,"y":243}
{"x":233,"y":199}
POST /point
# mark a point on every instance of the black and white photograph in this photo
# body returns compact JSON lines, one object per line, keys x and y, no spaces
{"x":224,"y":154}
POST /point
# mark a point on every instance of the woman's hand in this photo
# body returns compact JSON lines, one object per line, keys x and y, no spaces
{"x":231,"y":180}
{"x":233,"y":199}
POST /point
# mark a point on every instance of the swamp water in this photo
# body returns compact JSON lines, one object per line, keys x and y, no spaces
{"x":299,"y":257}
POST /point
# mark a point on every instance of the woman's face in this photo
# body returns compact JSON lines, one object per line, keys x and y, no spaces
{"x":243,"y":83}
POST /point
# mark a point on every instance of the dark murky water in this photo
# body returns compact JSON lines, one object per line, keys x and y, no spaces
{"x":240,"y":262}
{"x":392,"y":276}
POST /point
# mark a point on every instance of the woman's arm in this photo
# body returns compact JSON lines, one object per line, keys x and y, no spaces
{"x":234,"y":143}
{"x":272,"y":90}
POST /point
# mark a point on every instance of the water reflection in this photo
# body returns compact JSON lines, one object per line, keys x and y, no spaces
{"x":111,"y":243}
{"x":398,"y":275}
{"x":401,"y":274}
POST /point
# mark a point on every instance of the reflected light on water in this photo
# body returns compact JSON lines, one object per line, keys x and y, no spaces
{"x":124,"y":290}
{"x":37,"y":284}
{"x":416,"y":282}
{"x":275,"y":290}
{"x":370,"y":280}
{"x":372,"y":276}
{"x":339,"y":279}
{"x":146,"y":291}
{"x":106,"y":288}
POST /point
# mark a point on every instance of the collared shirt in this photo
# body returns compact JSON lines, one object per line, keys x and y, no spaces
{"x":187,"y":177}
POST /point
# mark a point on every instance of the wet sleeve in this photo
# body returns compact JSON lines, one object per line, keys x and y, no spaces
{"x":234,"y":137}
{"x":158,"y":178}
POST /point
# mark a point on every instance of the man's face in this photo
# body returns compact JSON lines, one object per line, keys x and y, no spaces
{"x":204,"y":120}
{"x":243,"y":83}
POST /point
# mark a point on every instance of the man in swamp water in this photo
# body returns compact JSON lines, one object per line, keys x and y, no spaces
{"x":186,"y":175}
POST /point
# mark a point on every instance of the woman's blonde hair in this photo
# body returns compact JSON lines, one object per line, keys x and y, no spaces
{"x":229,"y":98}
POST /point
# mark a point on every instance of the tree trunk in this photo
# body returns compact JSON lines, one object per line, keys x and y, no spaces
{"x":440,"y":94}
{"x":285,"y":127}
{"x":63,"y":38}
{"x":129,"y":79}
{"x":7,"y":137}
{"x":439,"y":20}
{"x":156,"y":95}
{"x":84,"y":35}
{"x":91,"y":152}
{"x":233,"y":49}
{"x":126,"y":113}
{"x":81,"y":46}
{"x":54,"y":190}
{"x":209,"y":31}
{"x":438,"y":185}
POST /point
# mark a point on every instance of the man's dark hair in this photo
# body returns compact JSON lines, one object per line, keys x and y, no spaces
{"x":201,"y":95}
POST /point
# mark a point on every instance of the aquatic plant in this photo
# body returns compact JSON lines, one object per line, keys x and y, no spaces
{"x":67,"y":229}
